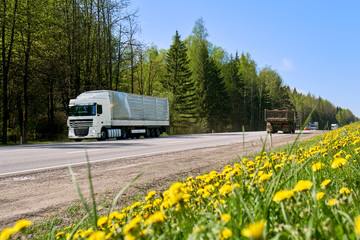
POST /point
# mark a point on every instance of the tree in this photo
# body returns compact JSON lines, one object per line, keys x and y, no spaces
{"x":6,"y":54}
{"x":214,"y":98}
{"x":178,"y":81}
{"x":278,"y":94}
{"x":235,"y":87}
{"x":247,"y":69}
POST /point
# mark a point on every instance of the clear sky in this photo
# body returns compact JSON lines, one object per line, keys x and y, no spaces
{"x":313,"y":45}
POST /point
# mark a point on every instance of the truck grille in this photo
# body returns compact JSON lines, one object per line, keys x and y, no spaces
{"x":86,"y":123}
{"x":81,"y":132}
{"x":81,"y":127}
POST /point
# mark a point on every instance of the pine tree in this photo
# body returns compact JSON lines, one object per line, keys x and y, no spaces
{"x":212,"y":91}
{"x":178,"y":81}
{"x":235,"y":87}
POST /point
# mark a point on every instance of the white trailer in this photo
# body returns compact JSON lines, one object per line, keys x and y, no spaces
{"x":107,"y":114}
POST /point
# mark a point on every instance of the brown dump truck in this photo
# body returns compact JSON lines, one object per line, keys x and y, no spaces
{"x":280,"y":120}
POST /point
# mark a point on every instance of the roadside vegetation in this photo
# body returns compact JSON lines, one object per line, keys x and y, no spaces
{"x":309,"y":190}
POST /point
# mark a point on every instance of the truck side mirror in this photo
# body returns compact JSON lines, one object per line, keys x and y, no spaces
{"x":99,"y":109}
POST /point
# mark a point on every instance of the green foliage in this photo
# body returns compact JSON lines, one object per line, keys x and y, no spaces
{"x":178,"y":81}
{"x":53,"y":50}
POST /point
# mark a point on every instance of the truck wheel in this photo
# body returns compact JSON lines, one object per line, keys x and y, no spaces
{"x":124,"y":134}
{"x":103,"y":134}
{"x":157,"y":132}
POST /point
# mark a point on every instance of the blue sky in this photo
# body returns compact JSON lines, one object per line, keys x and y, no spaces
{"x":313,"y":45}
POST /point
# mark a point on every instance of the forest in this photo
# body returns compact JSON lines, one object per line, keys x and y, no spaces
{"x":53,"y":50}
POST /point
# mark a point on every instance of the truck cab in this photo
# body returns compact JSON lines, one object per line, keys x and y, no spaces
{"x":88,"y":118}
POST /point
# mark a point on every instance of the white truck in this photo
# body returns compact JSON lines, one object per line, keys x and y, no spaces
{"x":107,"y":114}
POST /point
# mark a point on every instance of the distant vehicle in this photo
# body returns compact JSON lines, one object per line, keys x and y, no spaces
{"x":314,"y":126}
{"x":280,"y":120}
{"x":107,"y":114}
{"x":334,"y":126}
{"x":307,"y":127}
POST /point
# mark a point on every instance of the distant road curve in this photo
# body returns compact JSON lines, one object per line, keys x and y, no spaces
{"x":27,"y":158}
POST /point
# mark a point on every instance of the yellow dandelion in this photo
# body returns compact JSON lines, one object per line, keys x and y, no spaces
{"x":132,"y":225}
{"x":7,"y":233}
{"x":317,"y":166}
{"x":225,"y":217}
{"x":333,"y":202}
{"x":176,"y":191}
{"x":282,"y":194}
{"x":325,"y":182}
{"x":225,"y":234}
{"x":99,"y":235}
{"x":338,"y":162}
{"x":265,"y":176}
{"x":21,"y":224}
{"x":320,"y":195}
{"x":150,"y":195}
{"x":303,"y":185}
{"x":344,"y":190}
{"x":225,"y":189}
{"x":236,"y":185}
{"x":102,"y":221}
{"x":129,"y":237}
{"x":157,"y":217}
{"x":254,"y":230}
{"x":357,"y":225}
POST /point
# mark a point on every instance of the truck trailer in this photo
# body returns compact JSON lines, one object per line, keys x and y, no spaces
{"x":280,"y":120}
{"x":104,"y":114}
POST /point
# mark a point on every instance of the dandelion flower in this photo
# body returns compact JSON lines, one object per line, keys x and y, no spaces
{"x":333,"y":202}
{"x":357,"y":225}
{"x":338,"y":162}
{"x":325,"y":182}
{"x":157,"y":217}
{"x":129,"y":237}
{"x":150,"y":195}
{"x":317,"y":166}
{"x":282,"y":194}
{"x":303,"y":185}
{"x":7,"y":233}
{"x":254,"y":230}
{"x":225,"y":189}
{"x":225,"y":217}
{"x":102,"y":221}
{"x":21,"y":224}
{"x":320,"y":195}
{"x":344,"y":190}
{"x":99,"y":235}
{"x":132,"y":225}
{"x":225,"y":234}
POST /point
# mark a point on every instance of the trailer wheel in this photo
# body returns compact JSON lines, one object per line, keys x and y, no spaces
{"x":124,"y":134}
{"x":157,"y":132}
{"x":152,"y":132}
{"x":147,"y":133}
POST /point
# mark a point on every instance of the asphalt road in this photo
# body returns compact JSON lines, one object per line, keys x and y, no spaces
{"x":26,"y":158}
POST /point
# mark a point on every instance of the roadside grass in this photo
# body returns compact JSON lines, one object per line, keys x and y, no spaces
{"x":307,"y":190}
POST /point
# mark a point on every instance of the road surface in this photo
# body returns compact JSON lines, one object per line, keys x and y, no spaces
{"x":26,"y":158}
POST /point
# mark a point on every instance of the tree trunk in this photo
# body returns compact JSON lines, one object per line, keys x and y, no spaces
{"x":6,"y":67}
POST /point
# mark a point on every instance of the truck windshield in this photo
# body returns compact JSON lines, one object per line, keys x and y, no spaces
{"x":83,"y":110}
